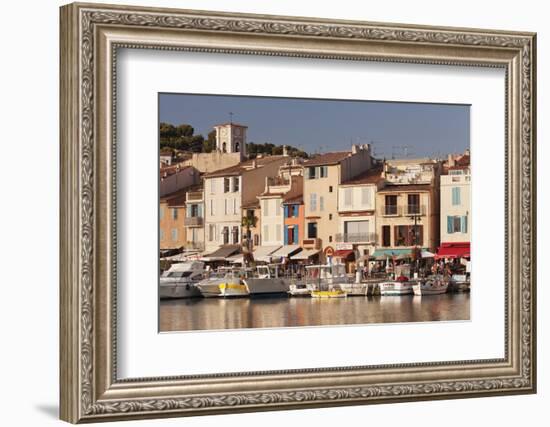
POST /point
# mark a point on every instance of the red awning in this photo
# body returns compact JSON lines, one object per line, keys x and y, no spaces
{"x":343,"y":253}
{"x":454,"y":250}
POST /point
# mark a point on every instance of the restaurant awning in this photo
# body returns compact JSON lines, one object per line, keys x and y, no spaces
{"x":236,"y":259}
{"x":286,"y":250}
{"x":390,"y":252}
{"x":343,"y":253}
{"x":454,"y":250}
{"x":262,"y":253}
{"x":222,"y":253}
{"x":305,"y":254}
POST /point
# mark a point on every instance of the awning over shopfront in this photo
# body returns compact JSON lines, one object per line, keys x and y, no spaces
{"x":286,"y":251}
{"x":454,"y":250}
{"x":305,"y":254}
{"x":236,"y":259}
{"x":222,"y":253}
{"x":262,"y":253}
{"x":343,"y":253}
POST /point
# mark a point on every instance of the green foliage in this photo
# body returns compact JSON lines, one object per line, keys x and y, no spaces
{"x":267,"y":148}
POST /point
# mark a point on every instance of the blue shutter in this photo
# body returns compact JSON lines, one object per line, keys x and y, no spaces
{"x":295,"y":234}
{"x":286,"y":234}
{"x":449,"y":224}
{"x":286,"y":211}
{"x":464,"y":224}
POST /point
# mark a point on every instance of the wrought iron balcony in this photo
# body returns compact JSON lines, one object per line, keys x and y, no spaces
{"x":194,"y":195}
{"x":419,"y":210}
{"x":391,"y":210}
{"x":355,"y":237}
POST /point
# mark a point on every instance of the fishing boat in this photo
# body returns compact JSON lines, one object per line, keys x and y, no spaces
{"x":300,"y":289}
{"x":233,"y":285}
{"x":326,"y":281}
{"x":433,"y":285}
{"x":267,"y":281}
{"x":401,"y":286}
{"x":180,"y":280}
{"x":459,"y":283}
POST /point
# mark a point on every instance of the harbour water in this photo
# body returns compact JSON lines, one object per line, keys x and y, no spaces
{"x":274,"y":312}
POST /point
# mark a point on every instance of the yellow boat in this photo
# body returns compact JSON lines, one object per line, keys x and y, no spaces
{"x":233,"y":289}
{"x":335,"y":293}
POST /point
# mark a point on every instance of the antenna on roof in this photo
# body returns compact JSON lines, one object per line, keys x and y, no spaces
{"x":404,"y":149}
{"x":231,"y":117}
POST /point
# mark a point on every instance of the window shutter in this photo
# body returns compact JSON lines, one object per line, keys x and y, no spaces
{"x":464,"y":224}
{"x":295,"y":234}
{"x":286,"y":235}
{"x":449,"y":224}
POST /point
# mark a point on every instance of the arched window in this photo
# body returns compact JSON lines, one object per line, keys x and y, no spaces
{"x":224,"y":148}
{"x":237,"y":147}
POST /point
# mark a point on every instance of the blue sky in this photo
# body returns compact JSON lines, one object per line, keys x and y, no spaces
{"x":319,"y":125}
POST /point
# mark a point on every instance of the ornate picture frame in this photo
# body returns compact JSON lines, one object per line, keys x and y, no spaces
{"x":90,"y":37}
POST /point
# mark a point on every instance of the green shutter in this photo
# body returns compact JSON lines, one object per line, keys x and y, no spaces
{"x":449,"y":224}
{"x":464,"y":224}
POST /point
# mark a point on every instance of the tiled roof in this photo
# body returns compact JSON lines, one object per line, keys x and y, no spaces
{"x":242,"y":167}
{"x":177,"y":198}
{"x":327,"y":158}
{"x":371,"y":176}
{"x":294,"y":200}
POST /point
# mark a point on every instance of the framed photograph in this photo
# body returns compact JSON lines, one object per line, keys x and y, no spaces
{"x":266,"y":212}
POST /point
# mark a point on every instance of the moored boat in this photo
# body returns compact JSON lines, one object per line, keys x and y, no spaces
{"x":433,"y":285}
{"x":267,"y":281}
{"x":331,"y":293}
{"x":459,"y":283}
{"x":401,"y":286}
{"x":180,"y":280}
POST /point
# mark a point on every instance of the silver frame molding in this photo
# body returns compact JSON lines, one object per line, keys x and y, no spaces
{"x":90,"y":37}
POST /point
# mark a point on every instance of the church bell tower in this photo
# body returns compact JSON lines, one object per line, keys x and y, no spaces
{"x":231,"y":138}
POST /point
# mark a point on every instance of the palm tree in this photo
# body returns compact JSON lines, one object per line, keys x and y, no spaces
{"x":248,"y":222}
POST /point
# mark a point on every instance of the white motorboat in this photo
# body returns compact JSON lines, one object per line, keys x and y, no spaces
{"x":267,"y":281}
{"x":433,"y":285}
{"x":233,"y":285}
{"x":180,"y":280}
{"x":300,"y":289}
{"x":396,"y":287}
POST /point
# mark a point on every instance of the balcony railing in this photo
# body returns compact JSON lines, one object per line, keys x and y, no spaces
{"x":419,"y":210}
{"x":355,"y":237}
{"x":194,"y":221}
{"x":391,"y":210}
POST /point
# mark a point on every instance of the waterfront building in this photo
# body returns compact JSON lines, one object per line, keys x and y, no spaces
{"x":194,"y":219}
{"x":227,"y":190}
{"x":252,"y":223}
{"x":356,"y":237}
{"x":407,"y":213}
{"x":322,"y":176}
{"x":455,"y":222}
{"x":172,"y":232}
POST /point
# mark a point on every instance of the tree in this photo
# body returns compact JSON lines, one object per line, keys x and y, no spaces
{"x":248,"y":221}
{"x":209,"y":144}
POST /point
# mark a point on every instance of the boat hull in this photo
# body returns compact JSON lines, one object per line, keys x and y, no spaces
{"x":329,"y":294}
{"x":395,"y":288}
{"x":233,"y":290}
{"x":260,"y":286}
{"x":178,"y":290}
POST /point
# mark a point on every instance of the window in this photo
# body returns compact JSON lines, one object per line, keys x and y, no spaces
{"x":391,"y":205}
{"x":413,"y":204}
{"x":225,"y":235}
{"x":225,"y":207}
{"x":313,"y":202}
{"x":330,"y":188}
{"x":211,"y":232}
{"x":277,"y":207}
{"x":161,"y":212}
{"x":386,"y":238}
{"x":174,"y":234}
{"x":408,"y":235}
{"x":256,"y":240}
{"x":347,"y":197}
{"x":278,"y":231}
{"x":212,"y":186}
{"x":356,"y":231}
{"x":211,"y":206}
{"x":235,"y":234}
{"x":226,"y":184}
{"x":365,"y":196}
{"x":311,"y":172}
{"x":330,"y":238}
{"x":236,"y":183}
{"x":265,"y":237}
{"x":312,"y":230}
{"x":174,"y":214}
{"x":321,"y":203}
{"x":266,"y":208}
{"x":234,"y":206}
{"x":323,"y":171}
{"x":457,"y":224}
{"x":456,"y":196}
{"x":329,"y":216}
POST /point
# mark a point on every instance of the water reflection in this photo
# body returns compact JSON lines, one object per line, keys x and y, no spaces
{"x":218,"y":313}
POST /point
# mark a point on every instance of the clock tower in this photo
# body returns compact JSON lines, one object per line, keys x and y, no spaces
{"x":231,"y":138}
